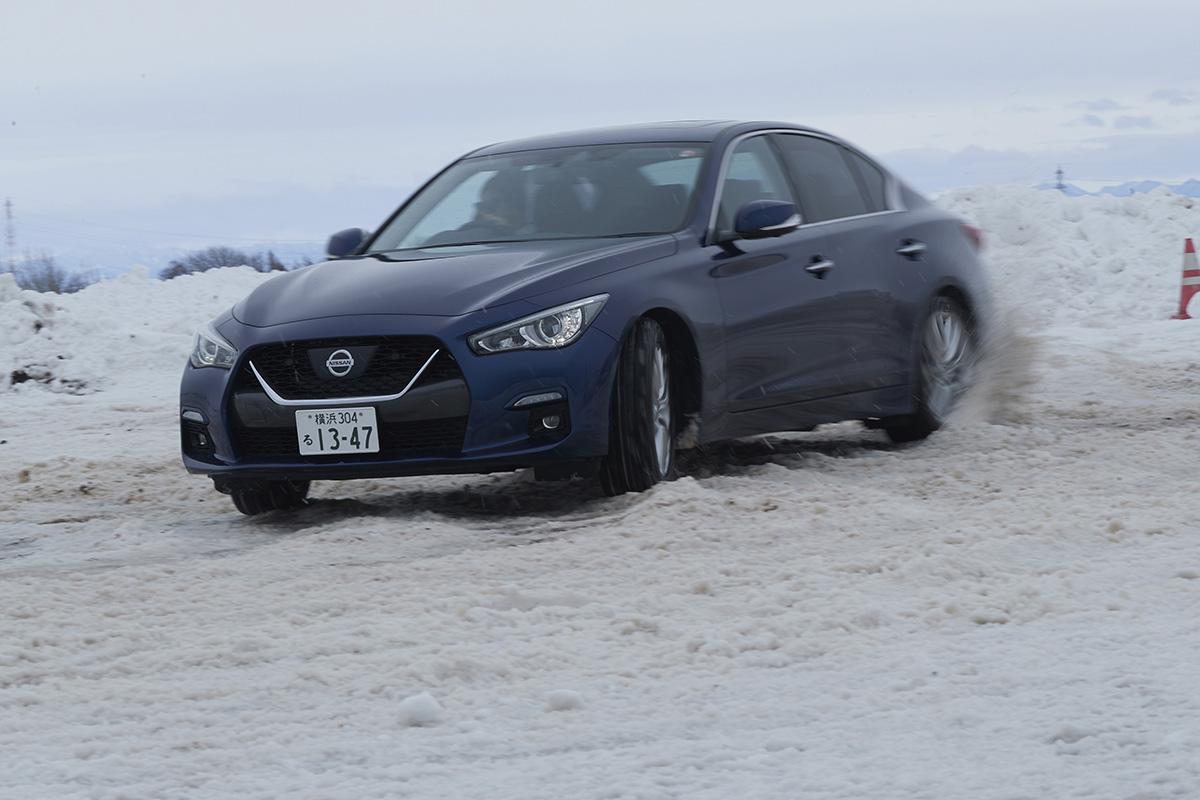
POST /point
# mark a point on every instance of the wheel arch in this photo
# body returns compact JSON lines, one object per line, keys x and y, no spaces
{"x":953,"y":291}
{"x":688,"y":382}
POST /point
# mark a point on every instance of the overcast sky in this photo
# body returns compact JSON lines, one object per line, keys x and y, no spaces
{"x":262,"y":119}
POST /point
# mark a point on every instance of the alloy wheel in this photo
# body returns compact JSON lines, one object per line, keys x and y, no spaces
{"x":946,"y":361}
{"x":660,"y":398}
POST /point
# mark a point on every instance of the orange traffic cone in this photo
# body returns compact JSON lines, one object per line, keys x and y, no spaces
{"x":1191,"y":279}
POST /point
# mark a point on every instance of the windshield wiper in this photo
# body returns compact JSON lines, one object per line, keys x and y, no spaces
{"x":512,"y":241}
{"x":635,"y":233}
{"x":449,"y":244}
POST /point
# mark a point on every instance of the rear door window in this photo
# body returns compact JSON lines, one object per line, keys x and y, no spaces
{"x":873,"y":181}
{"x":828,"y":188}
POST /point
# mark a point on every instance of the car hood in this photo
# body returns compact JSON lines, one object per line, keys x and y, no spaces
{"x":441,"y":281}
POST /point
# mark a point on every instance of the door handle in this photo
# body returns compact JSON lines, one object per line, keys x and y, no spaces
{"x":819,"y":266}
{"x":911,"y":249}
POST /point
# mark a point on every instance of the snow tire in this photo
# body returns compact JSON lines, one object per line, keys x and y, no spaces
{"x":642,"y":419}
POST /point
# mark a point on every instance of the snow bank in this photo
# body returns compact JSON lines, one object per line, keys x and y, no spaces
{"x":1084,"y":260}
{"x":81,"y":343}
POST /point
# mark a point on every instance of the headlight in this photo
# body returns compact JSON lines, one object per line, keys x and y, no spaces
{"x":554,"y":327}
{"x":211,"y":350}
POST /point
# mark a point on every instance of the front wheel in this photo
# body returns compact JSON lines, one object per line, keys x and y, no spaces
{"x":257,"y":497}
{"x":641,"y":442}
{"x":947,"y":356}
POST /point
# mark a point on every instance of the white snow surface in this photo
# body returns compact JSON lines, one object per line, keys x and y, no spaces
{"x":1008,"y":610}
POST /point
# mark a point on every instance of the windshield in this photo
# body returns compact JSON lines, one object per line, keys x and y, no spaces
{"x":563,"y":193}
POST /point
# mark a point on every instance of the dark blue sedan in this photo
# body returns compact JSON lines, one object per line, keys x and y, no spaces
{"x":573,"y":303}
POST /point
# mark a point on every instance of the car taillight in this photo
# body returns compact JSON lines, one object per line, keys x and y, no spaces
{"x":974,"y":234}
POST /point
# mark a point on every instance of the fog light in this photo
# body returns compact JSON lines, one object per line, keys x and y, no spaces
{"x":549,"y":423}
{"x":197,"y":441}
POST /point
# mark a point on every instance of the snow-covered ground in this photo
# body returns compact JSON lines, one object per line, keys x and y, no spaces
{"x":1009,"y":610}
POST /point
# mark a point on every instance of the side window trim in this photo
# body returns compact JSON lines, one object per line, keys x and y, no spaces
{"x":711,"y":234}
{"x":891,"y":183}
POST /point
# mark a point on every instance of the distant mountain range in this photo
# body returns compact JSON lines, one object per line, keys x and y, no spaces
{"x":1190,"y":188}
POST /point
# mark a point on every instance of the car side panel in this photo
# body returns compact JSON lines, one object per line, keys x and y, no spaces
{"x":791,"y":335}
{"x":870,"y":300}
{"x":949,"y":262}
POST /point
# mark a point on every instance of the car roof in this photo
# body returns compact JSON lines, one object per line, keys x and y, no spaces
{"x":676,"y":131}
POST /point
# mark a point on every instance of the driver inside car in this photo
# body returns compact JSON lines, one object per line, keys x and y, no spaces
{"x":499,"y":212}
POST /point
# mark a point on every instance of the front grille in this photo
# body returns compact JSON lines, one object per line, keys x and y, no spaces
{"x":393,"y":361}
{"x":431,"y":437}
{"x":443,"y":368}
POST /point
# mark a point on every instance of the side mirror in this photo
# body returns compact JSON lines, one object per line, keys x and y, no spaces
{"x":762,"y":219}
{"x":343,"y":243}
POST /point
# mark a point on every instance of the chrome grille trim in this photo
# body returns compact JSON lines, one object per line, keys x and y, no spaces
{"x":383,"y":398}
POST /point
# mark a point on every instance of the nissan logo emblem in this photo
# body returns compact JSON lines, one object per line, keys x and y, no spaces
{"x":339,"y":363}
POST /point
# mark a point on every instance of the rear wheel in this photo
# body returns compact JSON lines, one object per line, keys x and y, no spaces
{"x":943,"y":373}
{"x":641,"y":442}
{"x":258,"y":497}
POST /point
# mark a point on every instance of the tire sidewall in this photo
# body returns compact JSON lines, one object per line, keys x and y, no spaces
{"x":926,"y":415}
{"x":632,"y":461}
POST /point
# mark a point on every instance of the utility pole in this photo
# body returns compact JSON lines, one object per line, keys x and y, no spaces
{"x":10,"y":235}
{"x":1058,"y":173}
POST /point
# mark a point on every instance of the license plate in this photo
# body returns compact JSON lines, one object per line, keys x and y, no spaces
{"x":337,"y":431}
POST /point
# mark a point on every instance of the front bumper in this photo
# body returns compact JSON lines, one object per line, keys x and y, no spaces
{"x":494,"y":436}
